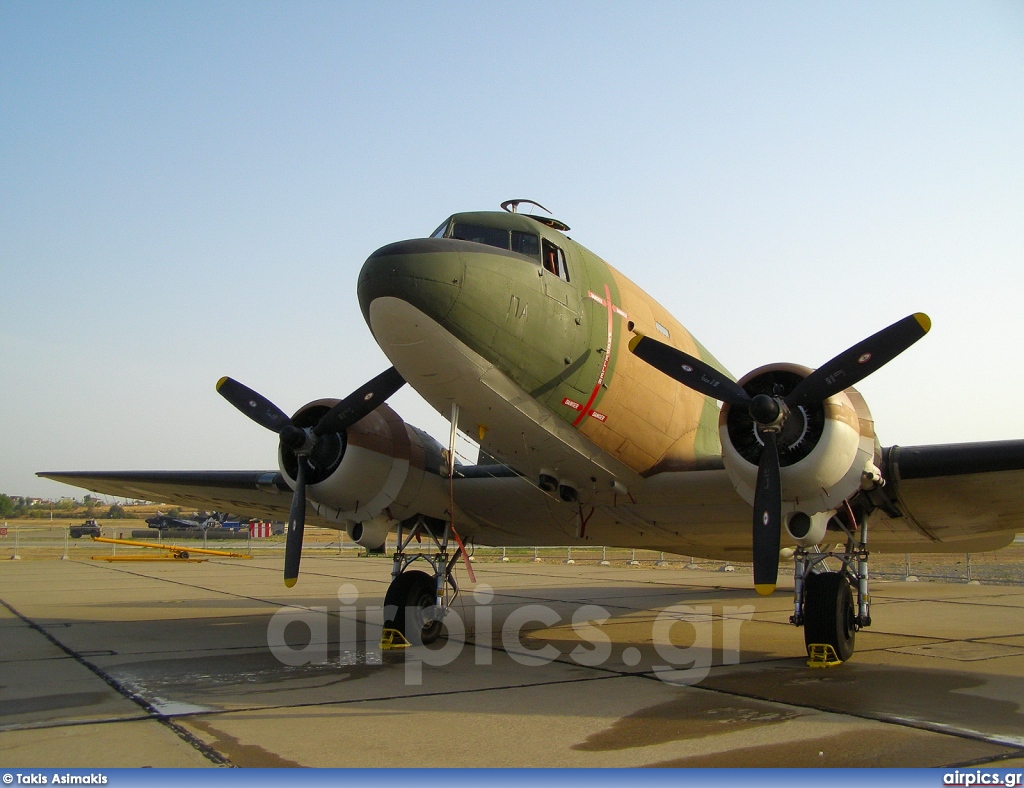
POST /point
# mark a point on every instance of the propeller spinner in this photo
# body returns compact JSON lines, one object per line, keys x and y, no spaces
{"x":770,"y":412}
{"x":305,"y":441}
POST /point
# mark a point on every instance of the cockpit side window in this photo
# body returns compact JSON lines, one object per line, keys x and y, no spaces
{"x":553,"y":260}
{"x":526,"y":243}
{"x":440,"y":231}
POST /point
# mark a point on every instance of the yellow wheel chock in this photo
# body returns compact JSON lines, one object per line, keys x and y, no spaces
{"x":822,"y":655}
{"x":392,"y":639}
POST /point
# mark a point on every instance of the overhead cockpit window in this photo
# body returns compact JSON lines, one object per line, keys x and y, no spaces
{"x":440,"y":231}
{"x":516,"y":241}
{"x":554,"y":261}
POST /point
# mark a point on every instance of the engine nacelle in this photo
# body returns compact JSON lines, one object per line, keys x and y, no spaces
{"x":805,"y":529}
{"x":825,"y":449}
{"x":373,"y":533}
{"x":381,"y":469}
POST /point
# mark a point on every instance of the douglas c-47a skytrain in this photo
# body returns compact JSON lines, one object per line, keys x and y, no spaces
{"x":599,"y":423}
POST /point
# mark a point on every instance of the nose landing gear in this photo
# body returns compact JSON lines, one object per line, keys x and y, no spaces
{"x":823,"y":599}
{"x":417,"y":601}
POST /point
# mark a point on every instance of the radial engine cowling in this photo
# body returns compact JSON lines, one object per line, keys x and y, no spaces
{"x":380,"y":469}
{"x":825,"y":449}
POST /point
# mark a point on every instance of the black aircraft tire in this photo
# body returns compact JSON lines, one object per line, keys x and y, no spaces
{"x":829,"y":616}
{"x":410,"y":592}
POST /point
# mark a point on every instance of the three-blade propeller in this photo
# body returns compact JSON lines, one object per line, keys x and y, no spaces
{"x":770,"y":412}
{"x":304,"y":441}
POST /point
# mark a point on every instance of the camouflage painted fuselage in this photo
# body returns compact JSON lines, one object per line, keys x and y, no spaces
{"x":560,"y":335}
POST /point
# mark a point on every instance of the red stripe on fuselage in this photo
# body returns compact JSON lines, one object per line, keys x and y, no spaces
{"x":604,"y":364}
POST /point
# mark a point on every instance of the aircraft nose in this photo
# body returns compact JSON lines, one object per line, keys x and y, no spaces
{"x":427,"y":273}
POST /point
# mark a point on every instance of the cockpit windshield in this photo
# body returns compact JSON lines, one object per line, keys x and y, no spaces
{"x":492,"y":236}
{"x":514,"y":240}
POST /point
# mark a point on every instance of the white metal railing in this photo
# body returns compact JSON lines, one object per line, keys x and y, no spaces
{"x":32,"y":541}
{"x":54,"y":542}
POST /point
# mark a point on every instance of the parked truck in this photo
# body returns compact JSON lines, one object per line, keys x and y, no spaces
{"x":88,"y":528}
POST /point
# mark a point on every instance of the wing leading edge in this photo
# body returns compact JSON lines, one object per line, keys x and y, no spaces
{"x":960,"y":491}
{"x":254,"y":493}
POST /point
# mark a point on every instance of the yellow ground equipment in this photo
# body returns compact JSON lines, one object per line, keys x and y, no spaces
{"x":393,"y":639}
{"x":822,"y":655}
{"x":176,"y":551}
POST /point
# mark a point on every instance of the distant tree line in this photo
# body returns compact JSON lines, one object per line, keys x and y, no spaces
{"x":66,"y":508}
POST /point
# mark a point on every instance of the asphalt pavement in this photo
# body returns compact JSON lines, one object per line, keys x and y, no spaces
{"x":547,"y":664}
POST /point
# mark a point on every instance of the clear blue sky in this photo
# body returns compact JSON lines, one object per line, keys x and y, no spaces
{"x":188,"y":190}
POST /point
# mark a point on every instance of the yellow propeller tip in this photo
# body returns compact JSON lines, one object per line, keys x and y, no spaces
{"x":765,"y":589}
{"x":221,"y":382}
{"x":289,"y":581}
{"x":924,"y":321}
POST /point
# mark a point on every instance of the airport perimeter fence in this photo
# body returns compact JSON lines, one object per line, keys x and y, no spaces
{"x":49,"y":542}
{"x":17,"y":542}
{"x":1004,"y":566}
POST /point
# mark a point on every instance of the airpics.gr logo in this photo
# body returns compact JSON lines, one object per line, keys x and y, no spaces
{"x":358,"y":630}
{"x":980,"y":777}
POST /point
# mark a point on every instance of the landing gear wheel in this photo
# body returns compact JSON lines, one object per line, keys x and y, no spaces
{"x":829,"y":615}
{"x":408,"y":597}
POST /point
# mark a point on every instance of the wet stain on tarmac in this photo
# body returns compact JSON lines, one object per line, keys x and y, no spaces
{"x":246,"y":755}
{"x":206,"y":679}
{"x":967,"y":702}
{"x":691,"y":715}
{"x":889,"y":747}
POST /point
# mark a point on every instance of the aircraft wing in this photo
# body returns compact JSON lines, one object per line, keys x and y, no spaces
{"x":952,"y":493}
{"x":941,"y":498}
{"x":262,"y":494}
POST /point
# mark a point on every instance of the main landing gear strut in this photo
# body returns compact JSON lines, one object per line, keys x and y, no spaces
{"x":417,"y":601}
{"x":823,"y":599}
